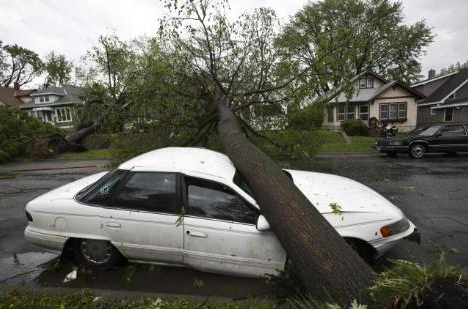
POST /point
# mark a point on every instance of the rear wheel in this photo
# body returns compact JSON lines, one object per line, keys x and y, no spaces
{"x":98,"y":254}
{"x":417,"y":151}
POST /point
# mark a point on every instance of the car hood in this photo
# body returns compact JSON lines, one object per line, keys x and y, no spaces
{"x":325,"y":189}
{"x":69,"y":190}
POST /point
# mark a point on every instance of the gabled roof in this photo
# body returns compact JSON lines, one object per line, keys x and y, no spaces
{"x":371,"y":73}
{"x":24,"y":92}
{"x":68,"y":94}
{"x":430,"y":80}
{"x":449,"y":87}
{"x":7,"y":96}
{"x":394,"y":83}
{"x":370,"y":94}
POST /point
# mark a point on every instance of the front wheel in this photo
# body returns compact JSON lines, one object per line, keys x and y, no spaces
{"x":98,"y":254}
{"x":417,"y":151}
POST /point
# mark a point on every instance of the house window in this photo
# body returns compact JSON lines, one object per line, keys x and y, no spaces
{"x":364,"y":112}
{"x":41,"y":99}
{"x":46,"y":98}
{"x":350,"y":112}
{"x":63,"y":114}
{"x":393,"y":111}
{"x":340,"y":113}
{"x":362,"y":83}
{"x":383,"y":111}
{"x":402,"y":111}
{"x":370,"y":83}
{"x":330,"y":114}
{"x":448,"y":114}
{"x":433,"y":112}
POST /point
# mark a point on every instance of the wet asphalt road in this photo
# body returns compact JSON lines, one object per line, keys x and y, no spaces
{"x":433,"y":193}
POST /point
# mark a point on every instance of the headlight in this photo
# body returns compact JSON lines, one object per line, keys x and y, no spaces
{"x":395,"y":228}
{"x":396,"y":143}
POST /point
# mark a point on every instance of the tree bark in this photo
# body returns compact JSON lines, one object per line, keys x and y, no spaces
{"x":83,"y":128}
{"x":325,"y":263}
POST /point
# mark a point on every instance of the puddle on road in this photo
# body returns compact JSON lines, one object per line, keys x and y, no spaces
{"x":34,"y":269}
{"x":22,"y":268}
{"x":162,"y":280}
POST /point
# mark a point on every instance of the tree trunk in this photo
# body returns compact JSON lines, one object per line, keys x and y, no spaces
{"x":325,"y":263}
{"x":83,"y":128}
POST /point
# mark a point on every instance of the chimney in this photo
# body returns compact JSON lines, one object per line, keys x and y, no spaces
{"x":431,"y":74}
{"x":16,"y":86}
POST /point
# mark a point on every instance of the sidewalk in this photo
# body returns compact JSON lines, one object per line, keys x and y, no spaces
{"x":50,"y":164}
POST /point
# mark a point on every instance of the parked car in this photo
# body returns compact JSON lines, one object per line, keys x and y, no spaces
{"x":446,"y":137}
{"x":189,"y":207}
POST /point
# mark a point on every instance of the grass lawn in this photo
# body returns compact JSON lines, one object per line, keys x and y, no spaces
{"x":89,"y":154}
{"x":334,"y":142}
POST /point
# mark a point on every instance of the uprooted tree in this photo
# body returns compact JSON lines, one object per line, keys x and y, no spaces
{"x":229,"y":68}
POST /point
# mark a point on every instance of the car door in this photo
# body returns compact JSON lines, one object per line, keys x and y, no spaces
{"x":451,"y":138}
{"x":153,"y":231}
{"x":108,"y":220}
{"x":220,"y":233}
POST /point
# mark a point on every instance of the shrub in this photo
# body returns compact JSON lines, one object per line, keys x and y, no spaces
{"x":409,"y":285}
{"x":17,"y":129}
{"x":354,"y":127}
{"x":308,"y":118}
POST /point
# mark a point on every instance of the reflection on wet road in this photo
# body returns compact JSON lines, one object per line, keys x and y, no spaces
{"x":432,"y":192}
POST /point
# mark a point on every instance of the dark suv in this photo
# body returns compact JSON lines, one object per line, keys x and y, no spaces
{"x":445,"y":137}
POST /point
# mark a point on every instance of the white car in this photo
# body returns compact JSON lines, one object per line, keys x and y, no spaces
{"x":189,"y":207}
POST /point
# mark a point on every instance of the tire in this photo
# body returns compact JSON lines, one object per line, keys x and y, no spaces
{"x":96,"y":254}
{"x":362,"y":248}
{"x":417,"y":151}
{"x":392,"y":154}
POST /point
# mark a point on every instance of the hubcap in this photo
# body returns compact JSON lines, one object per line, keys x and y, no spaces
{"x":417,"y":151}
{"x":96,"y":252}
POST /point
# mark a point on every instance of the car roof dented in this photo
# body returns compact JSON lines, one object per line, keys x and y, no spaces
{"x":187,"y":160}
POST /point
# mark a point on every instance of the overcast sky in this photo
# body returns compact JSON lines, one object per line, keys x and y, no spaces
{"x":72,"y":27}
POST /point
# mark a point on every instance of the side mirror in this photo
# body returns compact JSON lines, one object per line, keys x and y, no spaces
{"x":262,"y":224}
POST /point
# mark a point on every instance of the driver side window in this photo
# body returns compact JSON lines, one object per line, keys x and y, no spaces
{"x":212,"y":200}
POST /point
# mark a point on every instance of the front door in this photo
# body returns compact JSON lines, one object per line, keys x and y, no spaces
{"x":153,"y":231}
{"x":220,"y":233}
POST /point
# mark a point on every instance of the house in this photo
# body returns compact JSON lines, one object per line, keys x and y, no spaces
{"x":56,"y":105}
{"x":446,"y":98}
{"x":374,"y":97}
{"x":14,"y":97}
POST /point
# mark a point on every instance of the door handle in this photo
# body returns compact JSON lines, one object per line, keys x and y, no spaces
{"x":197,"y":234}
{"x":114,"y":225}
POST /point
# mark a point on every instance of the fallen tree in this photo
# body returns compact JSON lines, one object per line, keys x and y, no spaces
{"x":231,"y":67}
{"x":326,"y":265}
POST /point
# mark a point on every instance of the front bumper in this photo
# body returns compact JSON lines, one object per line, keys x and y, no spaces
{"x":415,"y":236}
{"x":390,"y":148}
{"x":382,"y":245}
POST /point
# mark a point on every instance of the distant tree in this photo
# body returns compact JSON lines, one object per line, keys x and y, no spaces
{"x":19,"y":65}
{"x":339,"y":38}
{"x":57,"y":69}
{"x":453,"y":68}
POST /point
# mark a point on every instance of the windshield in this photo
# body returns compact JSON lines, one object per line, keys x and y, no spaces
{"x":240,"y":182}
{"x":426,"y":131}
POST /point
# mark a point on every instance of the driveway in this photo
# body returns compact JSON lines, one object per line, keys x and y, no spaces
{"x":432,"y":192}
